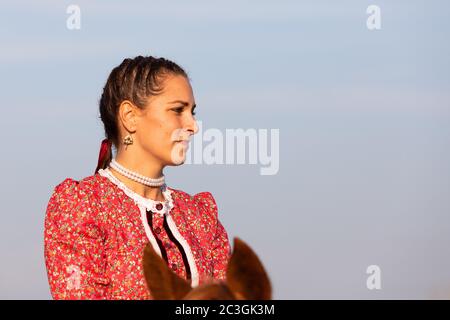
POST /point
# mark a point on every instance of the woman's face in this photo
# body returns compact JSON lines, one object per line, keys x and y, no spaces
{"x":164,"y":127}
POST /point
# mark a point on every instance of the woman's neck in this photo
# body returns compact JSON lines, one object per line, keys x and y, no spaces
{"x":147,"y":170}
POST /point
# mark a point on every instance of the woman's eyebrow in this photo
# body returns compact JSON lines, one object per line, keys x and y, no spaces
{"x":183,"y":103}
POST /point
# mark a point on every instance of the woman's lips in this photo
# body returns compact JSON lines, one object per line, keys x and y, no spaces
{"x":184,"y":143}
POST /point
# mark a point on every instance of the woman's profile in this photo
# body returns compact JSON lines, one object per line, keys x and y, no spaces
{"x":97,"y":228}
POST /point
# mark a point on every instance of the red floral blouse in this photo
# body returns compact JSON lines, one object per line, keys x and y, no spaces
{"x":96,"y":230}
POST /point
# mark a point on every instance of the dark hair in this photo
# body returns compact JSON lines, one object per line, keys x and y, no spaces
{"x":134,"y":80}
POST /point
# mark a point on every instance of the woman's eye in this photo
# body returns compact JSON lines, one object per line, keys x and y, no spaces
{"x":181,"y":109}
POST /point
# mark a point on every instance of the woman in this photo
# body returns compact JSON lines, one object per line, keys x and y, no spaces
{"x":96,"y":228}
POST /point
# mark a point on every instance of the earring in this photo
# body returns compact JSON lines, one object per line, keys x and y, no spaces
{"x":128,"y":140}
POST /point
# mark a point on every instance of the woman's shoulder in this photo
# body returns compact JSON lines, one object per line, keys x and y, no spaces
{"x":73,"y":211}
{"x":72,"y":188}
{"x":203,"y":200}
{"x":73,"y":194}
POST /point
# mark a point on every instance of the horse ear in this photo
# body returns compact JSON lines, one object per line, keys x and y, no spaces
{"x":246,"y":276}
{"x":162,"y":282}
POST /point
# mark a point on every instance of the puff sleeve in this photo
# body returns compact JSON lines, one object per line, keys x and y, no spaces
{"x":74,"y":244}
{"x":220,"y":245}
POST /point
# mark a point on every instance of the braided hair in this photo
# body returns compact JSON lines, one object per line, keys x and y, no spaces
{"x":134,"y":80}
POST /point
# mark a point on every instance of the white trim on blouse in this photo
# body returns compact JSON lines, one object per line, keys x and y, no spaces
{"x":145,"y":204}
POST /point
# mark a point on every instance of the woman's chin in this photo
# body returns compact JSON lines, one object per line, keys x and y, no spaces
{"x":178,"y":162}
{"x":178,"y":154}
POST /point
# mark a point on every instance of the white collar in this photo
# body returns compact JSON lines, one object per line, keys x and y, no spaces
{"x":148,"y":204}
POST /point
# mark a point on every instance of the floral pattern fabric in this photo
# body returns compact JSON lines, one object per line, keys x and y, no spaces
{"x":95,"y":235}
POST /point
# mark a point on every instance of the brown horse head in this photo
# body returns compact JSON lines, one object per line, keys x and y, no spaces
{"x":245,"y":278}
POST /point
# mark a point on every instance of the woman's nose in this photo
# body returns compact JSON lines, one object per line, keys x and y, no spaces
{"x":192,"y":127}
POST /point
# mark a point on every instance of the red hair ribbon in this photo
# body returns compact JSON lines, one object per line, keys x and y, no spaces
{"x":104,"y":149}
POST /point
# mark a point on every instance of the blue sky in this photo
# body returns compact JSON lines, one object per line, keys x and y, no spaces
{"x":364,"y":120}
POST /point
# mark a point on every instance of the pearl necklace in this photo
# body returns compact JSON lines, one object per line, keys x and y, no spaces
{"x":151,"y":182}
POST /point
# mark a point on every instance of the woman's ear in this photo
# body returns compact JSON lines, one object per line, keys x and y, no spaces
{"x":127,"y":115}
